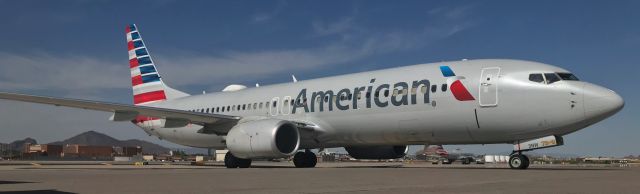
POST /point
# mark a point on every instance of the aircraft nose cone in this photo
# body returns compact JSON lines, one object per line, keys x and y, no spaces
{"x":600,"y":102}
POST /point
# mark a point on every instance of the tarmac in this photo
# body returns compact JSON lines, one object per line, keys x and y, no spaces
{"x":339,"y":177}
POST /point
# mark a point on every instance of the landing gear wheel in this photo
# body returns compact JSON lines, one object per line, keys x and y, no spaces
{"x":305,"y":159}
{"x":526,"y":162}
{"x":231,"y":161}
{"x":312,"y":160}
{"x":466,"y":161}
{"x":518,"y":161}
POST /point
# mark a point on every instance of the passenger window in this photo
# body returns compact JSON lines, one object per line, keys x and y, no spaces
{"x":434,"y":88}
{"x":207,"y":110}
{"x":244,"y":107}
{"x":444,"y":87}
{"x":260,"y":105}
{"x":536,"y":77}
{"x":255,"y":106}
{"x":551,"y":78}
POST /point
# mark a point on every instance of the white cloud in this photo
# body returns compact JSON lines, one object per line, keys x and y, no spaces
{"x":266,"y":16}
{"x":324,"y":29}
{"x":452,"y":13}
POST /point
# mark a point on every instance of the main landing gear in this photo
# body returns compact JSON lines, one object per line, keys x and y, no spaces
{"x":517,"y":160}
{"x":231,"y":161}
{"x":306,"y":159}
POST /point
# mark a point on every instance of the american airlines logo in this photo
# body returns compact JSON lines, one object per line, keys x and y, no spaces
{"x":457,"y":88}
{"x":402,"y":94}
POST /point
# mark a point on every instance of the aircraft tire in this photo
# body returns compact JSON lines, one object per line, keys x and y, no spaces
{"x":518,"y":161}
{"x":466,"y":161}
{"x":298,"y":160}
{"x":526,"y":162}
{"x":305,"y":159}
{"x":231,"y":161}
{"x":312,"y":160}
{"x":244,"y":163}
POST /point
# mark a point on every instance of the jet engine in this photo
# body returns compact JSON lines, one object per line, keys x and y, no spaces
{"x":377,"y":152}
{"x":267,"y":138}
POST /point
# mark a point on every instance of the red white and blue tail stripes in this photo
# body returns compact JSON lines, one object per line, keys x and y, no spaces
{"x":145,"y":80}
{"x":455,"y":84}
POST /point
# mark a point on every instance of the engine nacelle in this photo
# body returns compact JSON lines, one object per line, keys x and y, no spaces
{"x":377,"y":152}
{"x":267,"y":138}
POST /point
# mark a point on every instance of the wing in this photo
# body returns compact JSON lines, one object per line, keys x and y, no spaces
{"x":214,"y":123}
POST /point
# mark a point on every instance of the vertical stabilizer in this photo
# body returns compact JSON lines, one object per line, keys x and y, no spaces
{"x":147,"y":83}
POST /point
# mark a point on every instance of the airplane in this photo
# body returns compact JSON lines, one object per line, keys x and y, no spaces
{"x":447,"y":157}
{"x":373,"y":115}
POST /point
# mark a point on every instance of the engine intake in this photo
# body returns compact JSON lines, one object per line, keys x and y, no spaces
{"x":267,"y":138}
{"x":377,"y":152}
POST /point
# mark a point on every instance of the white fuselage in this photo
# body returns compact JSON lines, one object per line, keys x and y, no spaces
{"x":506,"y":106}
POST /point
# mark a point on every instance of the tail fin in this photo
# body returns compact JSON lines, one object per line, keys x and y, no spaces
{"x":147,"y":84}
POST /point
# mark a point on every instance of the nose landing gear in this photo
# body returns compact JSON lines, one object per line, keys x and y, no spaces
{"x":518,"y":161}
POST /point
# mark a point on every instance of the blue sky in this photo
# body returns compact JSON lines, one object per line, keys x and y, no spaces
{"x":77,"y":49}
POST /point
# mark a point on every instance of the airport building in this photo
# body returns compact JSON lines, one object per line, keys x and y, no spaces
{"x":43,"y":149}
{"x":79,"y":151}
{"x":127,"y":151}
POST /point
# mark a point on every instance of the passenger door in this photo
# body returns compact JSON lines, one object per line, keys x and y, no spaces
{"x":273,"y":107}
{"x":488,"y":94}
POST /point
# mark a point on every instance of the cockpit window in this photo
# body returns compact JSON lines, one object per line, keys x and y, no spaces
{"x":536,"y":77}
{"x":551,"y":78}
{"x":568,"y":76}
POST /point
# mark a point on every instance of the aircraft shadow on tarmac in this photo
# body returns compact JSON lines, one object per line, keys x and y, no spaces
{"x":536,"y":169}
{"x":37,"y":191}
{"x":466,"y":168}
{"x":13,"y":182}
